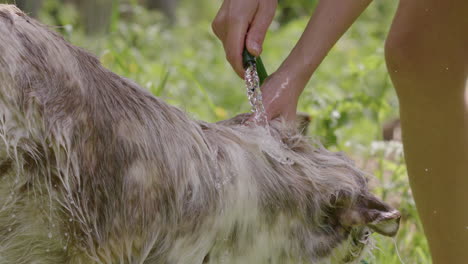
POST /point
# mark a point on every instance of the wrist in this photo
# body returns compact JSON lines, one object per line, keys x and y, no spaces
{"x":284,"y":83}
{"x":297,"y":73}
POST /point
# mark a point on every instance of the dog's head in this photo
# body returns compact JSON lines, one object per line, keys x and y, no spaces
{"x":345,"y":211}
{"x":358,"y":220}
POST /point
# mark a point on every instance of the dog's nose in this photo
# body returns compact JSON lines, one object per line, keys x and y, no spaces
{"x":369,"y":211}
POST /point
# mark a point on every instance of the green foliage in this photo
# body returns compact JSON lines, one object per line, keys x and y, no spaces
{"x":349,"y":97}
{"x":290,"y":10}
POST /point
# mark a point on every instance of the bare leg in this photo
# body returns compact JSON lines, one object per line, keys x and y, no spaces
{"x":427,"y":58}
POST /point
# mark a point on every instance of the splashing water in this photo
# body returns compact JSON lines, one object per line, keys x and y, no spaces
{"x":252,"y":83}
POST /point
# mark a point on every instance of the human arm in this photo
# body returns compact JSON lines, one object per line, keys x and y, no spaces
{"x":329,"y":22}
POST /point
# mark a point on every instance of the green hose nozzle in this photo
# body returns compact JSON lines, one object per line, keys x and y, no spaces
{"x":249,"y":60}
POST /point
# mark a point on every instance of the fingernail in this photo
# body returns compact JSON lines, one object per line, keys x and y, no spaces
{"x":256,"y":48}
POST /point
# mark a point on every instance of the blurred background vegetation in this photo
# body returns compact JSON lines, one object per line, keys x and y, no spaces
{"x":167,"y":46}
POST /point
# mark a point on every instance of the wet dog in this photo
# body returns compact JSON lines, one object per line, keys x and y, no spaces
{"x":94,"y":169}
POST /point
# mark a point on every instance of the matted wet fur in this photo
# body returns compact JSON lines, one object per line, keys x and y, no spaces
{"x":94,"y":169}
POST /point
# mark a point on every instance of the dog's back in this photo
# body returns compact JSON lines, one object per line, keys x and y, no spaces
{"x":95,"y":169}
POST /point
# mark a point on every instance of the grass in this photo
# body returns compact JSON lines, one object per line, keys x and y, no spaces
{"x":349,"y":97}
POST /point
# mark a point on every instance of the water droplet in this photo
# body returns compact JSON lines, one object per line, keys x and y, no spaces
{"x":65,"y":248}
{"x":69,"y":220}
{"x":53,"y":225}
{"x":435,"y":212}
{"x":426,"y":169}
{"x":446,"y":68}
{"x":9,"y":229}
{"x":49,"y":235}
{"x":66,"y":234}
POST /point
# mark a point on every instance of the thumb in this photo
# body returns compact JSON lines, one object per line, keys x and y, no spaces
{"x":259,"y":26}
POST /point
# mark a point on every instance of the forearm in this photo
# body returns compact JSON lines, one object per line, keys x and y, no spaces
{"x":330,"y":21}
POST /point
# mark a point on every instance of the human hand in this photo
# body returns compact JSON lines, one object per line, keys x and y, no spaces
{"x":242,"y":23}
{"x":280,"y":94}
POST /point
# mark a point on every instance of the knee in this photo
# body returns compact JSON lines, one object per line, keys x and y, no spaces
{"x":412,"y":46}
{"x":403,"y":48}
{"x":404,"y":59}
{"x":421,"y":61}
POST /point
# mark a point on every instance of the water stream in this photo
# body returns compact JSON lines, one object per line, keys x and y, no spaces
{"x":252,"y":83}
{"x":274,"y":149}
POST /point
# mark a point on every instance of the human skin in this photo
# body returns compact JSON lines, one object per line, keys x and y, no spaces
{"x":242,"y":23}
{"x":282,"y":89}
{"x":427,"y":58}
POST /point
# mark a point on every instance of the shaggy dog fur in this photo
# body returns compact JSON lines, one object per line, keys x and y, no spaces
{"x":94,"y":169}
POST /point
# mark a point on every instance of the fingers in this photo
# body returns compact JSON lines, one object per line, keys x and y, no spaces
{"x":231,"y":25}
{"x":259,"y":26}
{"x":240,"y":15}
{"x":234,"y":44}
{"x":219,"y":23}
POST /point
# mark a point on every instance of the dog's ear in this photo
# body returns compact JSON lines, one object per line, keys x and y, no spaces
{"x":369,"y":211}
{"x":303,"y":122}
{"x":237,"y":120}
